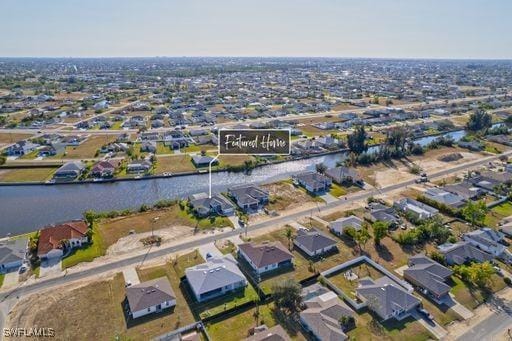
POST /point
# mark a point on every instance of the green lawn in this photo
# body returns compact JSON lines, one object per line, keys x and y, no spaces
{"x":473,"y":297}
{"x":368,"y":327}
{"x":26,"y":174}
{"x":2,"y":277}
{"x":225,"y":302}
{"x":337,"y":190}
{"x":236,"y":327}
{"x":87,"y":253}
{"x":497,"y":213}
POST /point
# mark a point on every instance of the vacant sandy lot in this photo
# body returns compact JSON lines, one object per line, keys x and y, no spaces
{"x":132,"y":242}
{"x":383,"y":175}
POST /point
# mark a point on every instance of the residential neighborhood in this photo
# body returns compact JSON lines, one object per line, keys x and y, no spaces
{"x":255,"y":170}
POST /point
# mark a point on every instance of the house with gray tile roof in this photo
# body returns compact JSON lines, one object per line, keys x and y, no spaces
{"x":314,"y":243}
{"x":386,"y":298}
{"x":263,"y":333}
{"x":490,"y":241}
{"x":150,"y":297}
{"x":444,"y":197}
{"x":380,"y":212}
{"x":216,"y":277}
{"x":462,"y":252}
{"x":313,"y":182}
{"x":266,"y":256}
{"x":465,"y":190}
{"x":322,"y":315}
{"x":339,"y":225}
{"x":416,"y":208}
{"x":204,"y":206}
{"x":429,"y":276}
{"x":12,"y":254}
{"x":203,"y":160}
{"x":343,"y":175}
{"x":70,"y":170}
{"x":249,"y":198}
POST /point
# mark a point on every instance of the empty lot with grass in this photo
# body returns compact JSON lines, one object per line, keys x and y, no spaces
{"x":88,"y":148}
{"x":111,"y":230}
{"x":174,"y":164}
{"x":26,"y":174}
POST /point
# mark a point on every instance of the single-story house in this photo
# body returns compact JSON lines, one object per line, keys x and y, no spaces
{"x":462,"y":252}
{"x":249,"y":198}
{"x":54,"y":239}
{"x":216,"y":277}
{"x":263,"y":333}
{"x":386,"y":298}
{"x":47,"y":151}
{"x":150,"y":297}
{"x":418,"y":209}
{"x":217,"y":204}
{"x":344,"y":175}
{"x":488,"y":240}
{"x":148,"y":146}
{"x":141,"y":166}
{"x":12,"y":254}
{"x":465,"y":190}
{"x":21,"y":148}
{"x":265,"y":257}
{"x":203,"y":160}
{"x":380,"y":212}
{"x":313,"y":182}
{"x":339,"y":225}
{"x":444,"y":197}
{"x":323,"y":313}
{"x":70,"y":170}
{"x":429,"y":276}
{"x":314,"y":243}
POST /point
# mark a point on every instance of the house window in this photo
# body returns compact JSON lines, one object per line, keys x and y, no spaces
{"x":149,"y":309}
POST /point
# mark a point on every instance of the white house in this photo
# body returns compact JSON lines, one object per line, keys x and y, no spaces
{"x":150,"y":297}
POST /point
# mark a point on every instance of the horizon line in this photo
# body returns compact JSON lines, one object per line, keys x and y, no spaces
{"x":263,"y":57}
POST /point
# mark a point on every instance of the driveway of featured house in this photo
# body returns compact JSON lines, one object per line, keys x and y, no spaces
{"x":234,"y":220}
{"x":328,"y":198}
{"x":209,"y":250}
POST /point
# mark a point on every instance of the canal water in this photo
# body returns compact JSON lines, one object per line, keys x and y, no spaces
{"x":26,"y":208}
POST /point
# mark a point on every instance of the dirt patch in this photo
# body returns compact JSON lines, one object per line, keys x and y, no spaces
{"x":285,"y":196}
{"x":72,"y":311}
{"x":132,"y":242}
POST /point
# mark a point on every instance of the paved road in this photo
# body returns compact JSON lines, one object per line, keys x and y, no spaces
{"x":492,"y":326}
{"x":190,"y":245}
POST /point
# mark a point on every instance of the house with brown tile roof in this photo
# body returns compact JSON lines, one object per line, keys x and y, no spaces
{"x":55,"y":239}
{"x":266,"y":256}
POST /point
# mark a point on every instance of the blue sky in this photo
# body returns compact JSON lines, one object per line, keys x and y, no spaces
{"x":342,"y":28}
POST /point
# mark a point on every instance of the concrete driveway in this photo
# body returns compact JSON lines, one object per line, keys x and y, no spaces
{"x":10,"y":279}
{"x":131,"y":276}
{"x":432,"y":326}
{"x":51,"y":267}
{"x":234,"y":220}
{"x":328,"y":198}
{"x":209,"y":249}
{"x":458,"y":308}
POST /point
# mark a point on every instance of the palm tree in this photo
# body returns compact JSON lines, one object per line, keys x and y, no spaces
{"x":289,"y":236}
